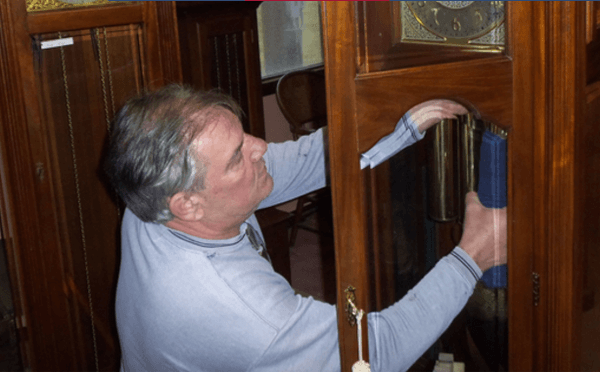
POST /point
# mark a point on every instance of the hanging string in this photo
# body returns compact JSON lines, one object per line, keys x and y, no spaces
{"x":103,"y":80}
{"x":80,"y":209}
{"x":109,"y":69}
{"x":361,"y":365}
{"x":108,"y":115}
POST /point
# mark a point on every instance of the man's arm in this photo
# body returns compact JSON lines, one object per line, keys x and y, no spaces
{"x":400,"y":334}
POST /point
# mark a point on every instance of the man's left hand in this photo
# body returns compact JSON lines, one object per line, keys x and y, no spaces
{"x":428,"y":113}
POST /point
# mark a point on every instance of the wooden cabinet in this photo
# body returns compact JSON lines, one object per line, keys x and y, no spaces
{"x":536,"y":89}
{"x":65,"y":71}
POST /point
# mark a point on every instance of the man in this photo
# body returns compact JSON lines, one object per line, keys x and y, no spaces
{"x":195,"y":291}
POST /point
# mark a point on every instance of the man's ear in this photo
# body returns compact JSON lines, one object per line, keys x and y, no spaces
{"x":186,"y":206}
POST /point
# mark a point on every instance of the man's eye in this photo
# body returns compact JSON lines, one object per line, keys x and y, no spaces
{"x":237,"y":162}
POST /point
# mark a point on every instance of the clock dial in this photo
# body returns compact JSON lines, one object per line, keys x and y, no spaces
{"x":454,"y":22}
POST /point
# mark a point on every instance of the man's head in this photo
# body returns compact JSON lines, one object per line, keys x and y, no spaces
{"x":152,"y":156}
{"x":236,"y":181}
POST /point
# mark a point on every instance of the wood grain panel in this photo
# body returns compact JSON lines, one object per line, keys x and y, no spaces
{"x":566,"y":104}
{"x":81,"y":87}
{"x":48,"y":341}
{"x":483,"y":85}
{"x":525,"y":174}
{"x":347,"y":181}
{"x":168,"y":38}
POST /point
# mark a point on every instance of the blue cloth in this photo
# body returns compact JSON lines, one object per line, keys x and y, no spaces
{"x":492,"y":193}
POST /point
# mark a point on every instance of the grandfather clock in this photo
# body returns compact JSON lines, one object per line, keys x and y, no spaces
{"x":526,"y":67}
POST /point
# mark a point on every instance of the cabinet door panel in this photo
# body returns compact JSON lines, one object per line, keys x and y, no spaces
{"x":82,"y":85}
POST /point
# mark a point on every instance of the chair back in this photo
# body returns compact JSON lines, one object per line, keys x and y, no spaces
{"x":301,"y":99}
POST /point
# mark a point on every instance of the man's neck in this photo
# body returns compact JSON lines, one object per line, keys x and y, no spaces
{"x":204,"y":231}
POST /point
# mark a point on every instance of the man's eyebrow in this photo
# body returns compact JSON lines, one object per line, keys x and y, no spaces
{"x":235,"y":156}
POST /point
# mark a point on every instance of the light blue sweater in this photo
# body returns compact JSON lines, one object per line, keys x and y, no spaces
{"x":190,"y":304}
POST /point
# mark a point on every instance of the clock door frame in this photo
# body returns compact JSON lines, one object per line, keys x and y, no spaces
{"x":539,"y":99}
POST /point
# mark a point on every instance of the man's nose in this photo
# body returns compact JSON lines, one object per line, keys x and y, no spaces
{"x":258,"y":149}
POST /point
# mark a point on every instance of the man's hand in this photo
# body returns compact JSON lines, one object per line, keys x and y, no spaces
{"x":428,"y":113}
{"x":484,"y":235}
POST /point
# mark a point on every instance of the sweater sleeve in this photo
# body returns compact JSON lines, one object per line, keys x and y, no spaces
{"x":401,"y":333}
{"x":297,"y":168}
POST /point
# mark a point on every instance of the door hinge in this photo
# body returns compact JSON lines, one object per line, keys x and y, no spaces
{"x":535,"y":278}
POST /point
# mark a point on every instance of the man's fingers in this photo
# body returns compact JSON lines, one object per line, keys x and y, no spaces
{"x":429,"y":113}
{"x":472,"y":197}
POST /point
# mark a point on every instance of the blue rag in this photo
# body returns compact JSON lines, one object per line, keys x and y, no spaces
{"x":492,"y":193}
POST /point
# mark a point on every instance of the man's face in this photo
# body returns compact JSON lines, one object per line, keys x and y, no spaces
{"x":237,"y":179}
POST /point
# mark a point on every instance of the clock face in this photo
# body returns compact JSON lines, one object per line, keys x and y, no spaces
{"x":458,"y":19}
{"x":464,"y":23}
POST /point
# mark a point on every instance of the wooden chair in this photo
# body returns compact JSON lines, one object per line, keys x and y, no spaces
{"x":301,"y":99}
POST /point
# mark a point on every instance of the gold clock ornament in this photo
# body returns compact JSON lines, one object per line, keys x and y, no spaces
{"x":43,"y":5}
{"x":469,"y":24}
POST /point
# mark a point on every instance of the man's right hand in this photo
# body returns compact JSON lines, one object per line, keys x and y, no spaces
{"x":484,"y":234}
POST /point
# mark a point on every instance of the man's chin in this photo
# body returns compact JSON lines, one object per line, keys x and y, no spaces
{"x":269,"y":185}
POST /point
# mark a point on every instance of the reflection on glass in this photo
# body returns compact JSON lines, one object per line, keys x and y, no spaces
{"x":421,"y":233}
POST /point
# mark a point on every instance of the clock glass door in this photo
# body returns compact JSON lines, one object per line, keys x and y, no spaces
{"x":418,"y":198}
{"x":418,"y":195}
{"x":406,"y":53}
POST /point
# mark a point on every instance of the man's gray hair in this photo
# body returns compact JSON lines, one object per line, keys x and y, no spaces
{"x":150,"y":155}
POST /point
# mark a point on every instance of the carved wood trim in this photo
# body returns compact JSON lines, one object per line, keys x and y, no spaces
{"x":76,"y":19}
